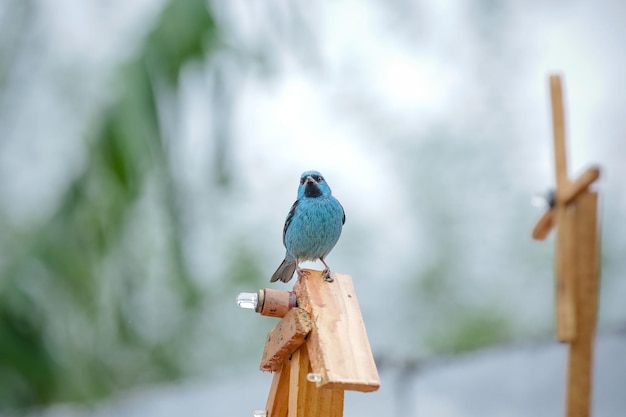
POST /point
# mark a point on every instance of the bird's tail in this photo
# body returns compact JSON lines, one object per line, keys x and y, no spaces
{"x":285,"y":271}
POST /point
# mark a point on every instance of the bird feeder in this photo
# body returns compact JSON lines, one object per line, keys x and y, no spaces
{"x":319,"y":348}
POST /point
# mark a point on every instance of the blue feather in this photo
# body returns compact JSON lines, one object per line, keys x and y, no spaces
{"x":312,"y":227}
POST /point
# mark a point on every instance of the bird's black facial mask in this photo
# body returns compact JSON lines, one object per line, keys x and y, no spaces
{"x":311,"y":189}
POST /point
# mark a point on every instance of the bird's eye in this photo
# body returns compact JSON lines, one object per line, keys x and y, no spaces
{"x":302,"y":180}
{"x":318,"y":178}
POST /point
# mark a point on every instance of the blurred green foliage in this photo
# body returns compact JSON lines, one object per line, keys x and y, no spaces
{"x":70,"y":329}
{"x":471,"y":330}
{"x":459,"y":320}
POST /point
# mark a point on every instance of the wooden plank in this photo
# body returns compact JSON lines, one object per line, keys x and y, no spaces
{"x":337,"y":345}
{"x":285,"y":338}
{"x":580,"y":360}
{"x":580,"y":184}
{"x":278,"y":398}
{"x":544,"y":225}
{"x":565,"y":301}
{"x":558,"y":127}
{"x":305,"y":398}
{"x":565,"y":291}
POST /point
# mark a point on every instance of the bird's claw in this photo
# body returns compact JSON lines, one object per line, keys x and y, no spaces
{"x":327,"y":276}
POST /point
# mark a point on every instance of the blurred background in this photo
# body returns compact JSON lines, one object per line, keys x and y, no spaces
{"x":150,"y":151}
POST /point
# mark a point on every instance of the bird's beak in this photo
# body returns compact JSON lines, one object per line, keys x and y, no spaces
{"x":310,"y":179}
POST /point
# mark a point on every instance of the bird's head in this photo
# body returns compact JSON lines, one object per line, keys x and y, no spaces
{"x":312,"y":184}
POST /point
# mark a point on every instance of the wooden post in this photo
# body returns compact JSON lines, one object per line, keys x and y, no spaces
{"x":577,"y":273}
{"x":565,"y":303}
{"x":293,"y":395}
{"x":305,"y":398}
{"x":278,"y":399}
{"x":318,"y":350}
{"x":581,"y":349}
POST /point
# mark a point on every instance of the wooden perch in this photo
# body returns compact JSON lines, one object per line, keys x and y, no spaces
{"x":319,"y":348}
{"x":338,"y":346}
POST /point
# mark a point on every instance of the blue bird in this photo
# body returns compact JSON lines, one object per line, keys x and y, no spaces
{"x":312,"y":228}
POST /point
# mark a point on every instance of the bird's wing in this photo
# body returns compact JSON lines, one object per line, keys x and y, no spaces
{"x":292,"y":212}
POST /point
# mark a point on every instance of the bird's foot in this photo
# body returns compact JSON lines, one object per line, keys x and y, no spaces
{"x":327,"y":276}
{"x":326,"y":271}
{"x":302,"y":272}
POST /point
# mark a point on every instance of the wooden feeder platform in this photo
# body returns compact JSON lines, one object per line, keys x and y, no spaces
{"x":318,"y":350}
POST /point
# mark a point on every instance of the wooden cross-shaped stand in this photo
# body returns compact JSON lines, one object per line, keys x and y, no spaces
{"x":318,"y":350}
{"x":574,"y":213}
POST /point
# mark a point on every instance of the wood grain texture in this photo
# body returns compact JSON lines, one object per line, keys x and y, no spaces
{"x":305,"y":398}
{"x":565,"y":291}
{"x":580,"y":366}
{"x":278,"y":398}
{"x":287,"y":336}
{"x":337,"y":345}
{"x":558,"y":127}
{"x":563,"y":215}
